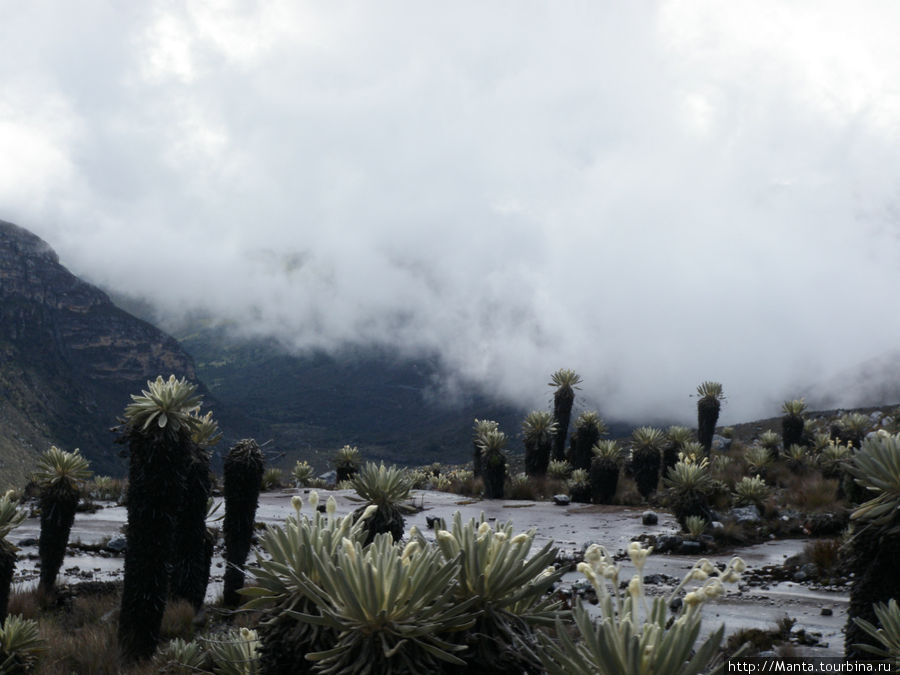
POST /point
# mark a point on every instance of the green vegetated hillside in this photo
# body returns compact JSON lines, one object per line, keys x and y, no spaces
{"x":310,"y":405}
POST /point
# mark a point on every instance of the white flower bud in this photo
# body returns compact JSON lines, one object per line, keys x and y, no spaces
{"x":699,"y":575}
{"x":331,"y":506}
{"x":483,"y":529}
{"x":738,"y":565}
{"x":314,"y":500}
{"x":410,"y":549}
{"x":693,"y":598}
{"x":370,"y":511}
{"x":519,"y":539}
{"x":297,"y":503}
{"x":634,"y":586}
{"x":713,"y":589}
{"x":593,"y":554}
{"x":547,"y":571}
{"x":349,"y":548}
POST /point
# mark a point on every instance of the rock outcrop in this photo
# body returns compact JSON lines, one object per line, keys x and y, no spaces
{"x":69,"y":359}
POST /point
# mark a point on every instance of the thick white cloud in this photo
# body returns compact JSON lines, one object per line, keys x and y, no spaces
{"x":652,"y":194}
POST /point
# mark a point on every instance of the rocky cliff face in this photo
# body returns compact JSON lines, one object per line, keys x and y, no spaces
{"x":69,"y":359}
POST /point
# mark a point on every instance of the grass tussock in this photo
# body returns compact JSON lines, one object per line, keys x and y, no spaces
{"x":811,"y":493}
{"x":178,"y":621}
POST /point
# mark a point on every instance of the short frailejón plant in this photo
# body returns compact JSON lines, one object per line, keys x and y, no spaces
{"x":875,"y":547}
{"x":388,"y":488}
{"x":507,"y":585}
{"x":689,"y":486}
{"x":305,"y":548}
{"x":302,"y":473}
{"x":634,"y":636}
{"x":271,"y":479}
{"x":60,"y":476}
{"x":886,"y":632}
{"x":493,"y":463}
{"x":479,"y":430}
{"x":852,"y":428}
{"x":695,"y":526}
{"x":347,"y":461}
{"x":758,"y":458}
{"x":792,"y":423}
{"x":708,"y":406}
{"x":244,"y":466}
{"x":158,"y":428}
{"x":559,"y":469}
{"x":10,"y":518}
{"x":751,"y":491}
{"x":20,"y":645}
{"x":538,"y":430}
{"x":565,"y":381}
{"x":579,"y":485}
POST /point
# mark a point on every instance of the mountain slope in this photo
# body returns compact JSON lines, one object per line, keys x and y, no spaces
{"x":310,"y":405}
{"x":69,"y":359}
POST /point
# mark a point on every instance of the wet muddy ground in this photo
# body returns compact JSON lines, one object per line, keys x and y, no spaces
{"x":759,"y":601}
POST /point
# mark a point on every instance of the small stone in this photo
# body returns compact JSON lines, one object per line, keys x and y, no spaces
{"x":117,"y":545}
{"x":667,"y":542}
{"x":561,"y":500}
{"x":690,"y":547}
{"x":717,"y":525}
{"x":649,"y":518}
{"x":827,"y":611}
{"x":30,"y":541}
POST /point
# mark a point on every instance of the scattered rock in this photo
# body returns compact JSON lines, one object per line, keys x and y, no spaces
{"x":30,"y":541}
{"x":716,"y":525}
{"x":561,"y":500}
{"x":743,"y":515}
{"x":721,"y":444}
{"x":690,"y":547}
{"x":649,"y":518}
{"x":329,"y":477}
{"x":666,"y":543}
{"x":116,"y":545}
{"x":434,"y":522}
{"x":825,"y":524}
{"x":827,"y":611}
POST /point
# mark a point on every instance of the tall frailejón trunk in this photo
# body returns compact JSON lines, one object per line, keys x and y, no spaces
{"x":563,"y":400}
{"x":707,"y":417}
{"x":190,"y":562}
{"x":243,"y":472}
{"x":156,"y":486}
{"x":58,"y":504}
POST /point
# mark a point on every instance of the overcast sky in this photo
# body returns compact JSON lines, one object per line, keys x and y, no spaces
{"x":651,"y":193}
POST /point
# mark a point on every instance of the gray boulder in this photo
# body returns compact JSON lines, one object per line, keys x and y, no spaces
{"x":746,"y":514}
{"x":721,"y":444}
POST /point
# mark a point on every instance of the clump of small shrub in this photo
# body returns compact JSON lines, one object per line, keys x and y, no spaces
{"x":271,"y":479}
